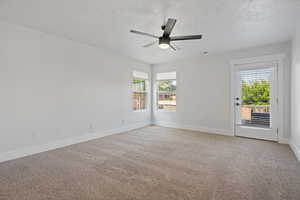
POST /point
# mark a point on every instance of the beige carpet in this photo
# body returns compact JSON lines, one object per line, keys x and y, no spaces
{"x":159,"y":164}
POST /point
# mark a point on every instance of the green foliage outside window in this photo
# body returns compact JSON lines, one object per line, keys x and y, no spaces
{"x":256,"y":93}
{"x":139,"y":85}
{"x":167,"y":85}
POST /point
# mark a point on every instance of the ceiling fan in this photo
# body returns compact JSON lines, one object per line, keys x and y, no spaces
{"x":164,"y":41}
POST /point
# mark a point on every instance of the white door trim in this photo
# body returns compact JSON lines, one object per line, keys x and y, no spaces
{"x":278,"y":59}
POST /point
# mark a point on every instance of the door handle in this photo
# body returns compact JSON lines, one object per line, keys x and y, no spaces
{"x":237,"y":104}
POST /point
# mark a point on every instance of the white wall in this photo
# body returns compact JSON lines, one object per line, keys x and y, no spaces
{"x":295,"y":109}
{"x":204,"y":90}
{"x":54,"y":89}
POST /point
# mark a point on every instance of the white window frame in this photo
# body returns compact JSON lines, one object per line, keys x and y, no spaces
{"x":157,"y":92}
{"x":144,"y":76}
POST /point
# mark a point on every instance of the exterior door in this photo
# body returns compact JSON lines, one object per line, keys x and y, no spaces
{"x":256,"y":101}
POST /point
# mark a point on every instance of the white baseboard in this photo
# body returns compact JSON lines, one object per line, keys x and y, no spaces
{"x":284,"y":141}
{"x":66,"y":142}
{"x":195,"y":128}
{"x":295,"y":149}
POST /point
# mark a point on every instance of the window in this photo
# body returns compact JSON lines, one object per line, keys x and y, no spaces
{"x":166,"y":91}
{"x":140,"y":90}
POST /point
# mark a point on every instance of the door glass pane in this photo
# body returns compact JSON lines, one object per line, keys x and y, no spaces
{"x":255,"y":109}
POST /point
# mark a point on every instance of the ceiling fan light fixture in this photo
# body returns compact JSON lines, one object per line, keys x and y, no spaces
{"x":164,"y":46}
{"x":164,"y":43}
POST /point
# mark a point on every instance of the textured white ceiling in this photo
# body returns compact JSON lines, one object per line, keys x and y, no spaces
{"x":225,"y":24}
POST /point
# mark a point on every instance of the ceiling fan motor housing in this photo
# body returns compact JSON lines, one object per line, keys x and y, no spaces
{"x":164,"y":40}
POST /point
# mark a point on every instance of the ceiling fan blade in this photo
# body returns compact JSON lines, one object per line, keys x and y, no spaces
{"x":150,"y":44}
{"x":172,"y":47}
{"x":186,"y":37}
{"x":176,"y":46}
{"x":145,"y":34}
{"x":169,"y":26}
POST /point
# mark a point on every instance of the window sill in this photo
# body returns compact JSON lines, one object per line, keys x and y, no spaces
{"x":140,"y":111}
{"x":166,"y":111}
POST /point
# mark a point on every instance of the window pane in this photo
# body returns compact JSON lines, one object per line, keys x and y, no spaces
{"x":256,"y":99}
{"x":167,"y":101}
{"x":139,"y":85}
{"x":166,"y":91}
{"x":139,"y":100}
{"x":167,"y":85}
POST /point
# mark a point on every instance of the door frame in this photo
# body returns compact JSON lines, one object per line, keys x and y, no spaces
{"x":278,"y":59}
{"x":255,"y":132}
